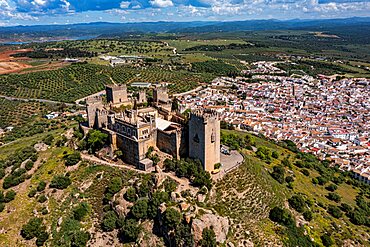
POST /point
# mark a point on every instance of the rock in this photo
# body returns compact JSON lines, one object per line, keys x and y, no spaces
{"x":184,"y":206}
{"x":122,"y":207}
{"x":60,"y":221}
{"x":188,"y":217}
{"x":220,"y":226}
{"x":174,"y":196}
{"x":41,"y":146}
{"x":201,"y":197}
{"x":230,"y":244}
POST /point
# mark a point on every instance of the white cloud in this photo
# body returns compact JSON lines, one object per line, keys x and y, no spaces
{"x":161,"y":3}
{"x":40,"y":2}
{"x":124,"y":5}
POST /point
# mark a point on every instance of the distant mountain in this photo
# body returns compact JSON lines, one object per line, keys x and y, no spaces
{"x":106,"y":29}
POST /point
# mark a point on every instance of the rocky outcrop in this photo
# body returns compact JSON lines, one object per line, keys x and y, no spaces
{"x":219,"y":224}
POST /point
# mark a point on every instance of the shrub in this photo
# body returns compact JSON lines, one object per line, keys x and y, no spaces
{"x":28,"y":166}
{"x":42,"y":199}
{"x":208,"y":238}
{"x":130,"y":194}
{"x":298,"y":203}
{"x":130,"y":230}
{"x":2,"y":206}
{"x":9,"y":196}
{"x":305,"y":172}
{"x":278,"y":173}
{"x":334,"y":197}
{"x":171,"y":218}
{"x":275,"y":155}
{"x":48,"y":140}
{"x":79,"y":238}
{"x":72,"y":159}
{"x":281,"y":216}
{"x":60,"y":182}
{"x":334,"y":211}
{"x":81,"y":211}
{"x":41,"y":186}
{"x":289,"y":179}
{"x":140,"y":209}
{"x":331,"y":187}
{"x":109,"y":221}
{"x":32,"y":229}
{"x":308,"y":215}
{"x":326,"y":240}
{"x":32,"y":193}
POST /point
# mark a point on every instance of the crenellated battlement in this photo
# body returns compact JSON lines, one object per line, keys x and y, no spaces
{"x":205,"y":114}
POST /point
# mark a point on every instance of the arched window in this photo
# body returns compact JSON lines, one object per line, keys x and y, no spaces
{"x":213,"y":136}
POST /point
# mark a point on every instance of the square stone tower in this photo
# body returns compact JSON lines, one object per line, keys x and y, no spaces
{"x":116,"y":94}
{"x":160,"y":95}
{"x":92,"y":105}
{"x":204,"y":138}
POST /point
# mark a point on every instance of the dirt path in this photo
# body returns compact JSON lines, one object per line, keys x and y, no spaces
{"x":39,"y":100}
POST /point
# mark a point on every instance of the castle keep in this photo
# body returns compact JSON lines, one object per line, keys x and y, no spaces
{"x":134,"y":131}
{"x":204,"y":138}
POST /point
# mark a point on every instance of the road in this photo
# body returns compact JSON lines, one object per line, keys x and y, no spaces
{"x":38,"y":100}
{"x":92,"y":95}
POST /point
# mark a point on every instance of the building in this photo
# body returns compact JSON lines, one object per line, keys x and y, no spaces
{"x":204,"y":138}
{"x":135,"y":131}
{"x":117,"y":95}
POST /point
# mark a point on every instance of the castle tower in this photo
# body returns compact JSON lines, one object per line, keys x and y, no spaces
{"x":142,"y":97}
{"x":116,"y":94}
{"x":92,"y":104}
{"x":204,"y":138}
{"x":160,"y":95}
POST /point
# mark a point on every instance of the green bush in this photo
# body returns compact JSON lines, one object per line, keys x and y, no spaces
{"x":2,"y":206}
{"x":334,"y":197}
{"x":171,"y":218}
{"x":81,"y":211}
{"x":42,"y":199}
{"x":130,"y":230}
{"x":298,"y":203}
{"x":334,"y":211}
{"x":278,"y":173}
{"x":10,"y":196}
{"x":281,"y":216}
{"x":29,"y":165}
{"x":60,"y":182}
{"x":308,"y":215}
{"x":41,"y":186}
{"x":109,"y":221}
{"x":72,"y":159}
{"x":32,"y":193}
{"x":208,"y":238}
{"x":140,"y":209}
{"x":130,"y":194}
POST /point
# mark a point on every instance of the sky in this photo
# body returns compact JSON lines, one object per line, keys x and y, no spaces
{"x":36,"y":12}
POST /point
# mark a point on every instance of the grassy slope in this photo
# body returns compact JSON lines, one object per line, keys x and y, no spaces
{"x":254,"y":180}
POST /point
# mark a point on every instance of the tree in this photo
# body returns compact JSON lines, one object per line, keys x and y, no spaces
{"x":278,"y":173}
{"x":96,"y":140}
{"x":130,"y":230}
{"x":28,"y":166}
{"x":32,"y":229}
{"x":130,"y":194}
{"x":208,"y":238}
{"x":72,"y":159}
{"x":140,"y":209}
{"x":171,"y":218}
{"x":109,"y":221}
{"x":308,"y":215}
{"x":334,"y":197}
{"x":60,"y":182}
{"x":41,"y":238}
{"x":305,"y":172}
{"x":48,"y":140}
{"x":326,"y":240}
{"x":115,"y":185}
{"x":183,"y":235}
{"x":331,"y":187}
{"x":42,"y":199}
{"x":41,"y":186}
{"x":298,"y":203}
{"x":275,"y":155}
{"x":81,"y":211}
{"x":334,"y":211}
{"x":9,"y":196}
{"x":281,"y":216}
{"x":79,"y":238}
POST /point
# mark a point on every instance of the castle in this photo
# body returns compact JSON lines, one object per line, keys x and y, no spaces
{"x":134,"y":131}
